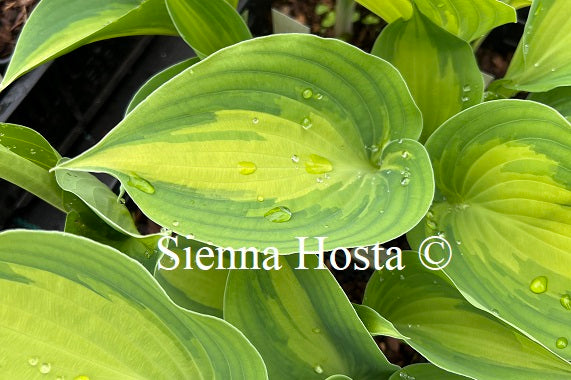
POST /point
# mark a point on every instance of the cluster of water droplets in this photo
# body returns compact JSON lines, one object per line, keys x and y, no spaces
{"x":539,"y":285}
{"x":45,"y":368}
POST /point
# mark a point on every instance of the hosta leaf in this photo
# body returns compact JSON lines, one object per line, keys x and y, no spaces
{"x":72,"y":307}
{"x":503,"y":200}
{"x":56,"y":27}
{"x":194,"y":289}
{"x":467,"y":19}
{"x":390,"y":10}
{"x":25,"y":160}
{"x":439,"y":68}
{"x":424,"y":372}
{"x":208,"y":26}
{"x":542,"y":59}
{"x":375,"y":323}
{"x":451,"y":333}
{"x":82,"y":220}
{"x":294,"y":136}
{"x":518,"y":3}
{"x":158,"y":80}
{"x":302,"y":323}
{"x":558,"y":98}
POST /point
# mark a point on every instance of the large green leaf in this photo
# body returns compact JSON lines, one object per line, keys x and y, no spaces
{"x":424,"y":372}
{"x":25,"y":160}
{"x":390,"y":10}
{"x":518,"y":3}
{"x":439,"y":68}
{"x":558,"y":98}
{"x":302,"y":323}
{"x":451,"y":333}
{"x":158,"y":80}
{"x":208,"y":26}
{"x":320,"y":137}
{"x":503,"y":201}
{"x":196,"y":289}
{"x":77,"y":309}
{"x":56,"y":27}
{"x":542,"y":59}
{"x":466,"y":19}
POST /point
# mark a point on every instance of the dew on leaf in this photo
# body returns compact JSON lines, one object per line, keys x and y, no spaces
{"x":306,"y":123}
{"x":278,"y":214}
{"x":561,"y":343}
{"x":316,"y":330}
{"x":294,"y":159}
{"x":246,"y":167}
{"x":141,"y":184}
{"x":318,"y":369}
{"x":260,"y":198}
{"x":45,"y":368}
{"x":538,"y":285}
{"x":307,"y":93}
{"x":467,"y":88}
{"x":318,"y":165}
{"x":405,"y":181}
{"x":319,"y":96}
{"x":255,"y":120}
{"x":566,"y":301}
{"x":175,"y":223}
{"x":33,"y":361}
{"x":405,"y":154}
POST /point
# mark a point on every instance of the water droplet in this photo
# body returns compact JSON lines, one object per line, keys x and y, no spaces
{"x":566,"y":301}
{"x":319,"y":96}
{"x":405,"y":154}
{"x":32,"y":151}
{"x":306,"y":123}
{"x":538,"y":285}
{"x":561,"y":343}
{"x":45,"y":368}
{"x":431,"y":224}
{"x":318,"y":165}
{"x":141,"y":184}
{"x":165,"y":231}
{"x":294,"y":159}
{"x":553,"y":69}
{"x":319,"y":180}
{"x":307,"y":93}
{"x":316,"y":330}
{"x":260,"y":198}
{"x":33,"y":361}
{"x":465,"y":98}
{"x":525,"y":49}
{"x":122,"y":201}
{"x":81,"y":377}
{"x":190,"y":237}
{"x":405,"y":181}
{"x":246,"y":167}
{"x":467,"y":88}
{"x":373,"y":148}
{"x":278,"y":214}
{"x":255,"y":120}
{"x":175,"y":223}
{"x":401,"y":277}
{"x":458,"y":242}
{"x":326,"y":176}
{"x":536,"y":64}
{"x":318,"y":369}
{"x":400,"y":141}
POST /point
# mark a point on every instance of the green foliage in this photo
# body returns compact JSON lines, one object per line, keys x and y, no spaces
{"x":272,"y":138}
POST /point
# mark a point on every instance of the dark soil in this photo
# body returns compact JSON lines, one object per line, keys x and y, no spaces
{"x":13,"y":15}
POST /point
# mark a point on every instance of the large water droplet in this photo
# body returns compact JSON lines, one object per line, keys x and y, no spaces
{"x":45,"y":368}
{"x":318,"y":369}
{"x":141,"y":184}
{"x":33,"y":361}
{"x":538,"y":285}
{"x":306,"y":123}
{"x":561,"y":343}
{"x":307,"y":93}
{"x":246,"y":167}
{"x":318,"y":165}
{"x":278,"y":214}
{"x":260,"y":198}
{"x":566,"y":301}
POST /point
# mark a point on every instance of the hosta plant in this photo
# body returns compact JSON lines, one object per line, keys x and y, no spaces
{"x":291,"y":146}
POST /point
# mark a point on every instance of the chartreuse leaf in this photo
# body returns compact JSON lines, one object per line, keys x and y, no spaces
{"x":197,"y":289}
{"x":25,"y":160}
{"x":440,"y":324}
{"x":158,"y":80}
{"x":78,"y":309}
{"x":56,"y":27}
{"x":517,"y":4}
{"x":391,"y":10}
{"x":424,"y":371}
{"x":558,"y":98}
{"x":542,"y":59}
{"x":466,"y":19}
{"x":291,"y":142}
{"x":439,"y":68}
{"x":208,"y":26}
{"x":302,"y":323}
{"x":503,"y":201}
{"x":375,"y":323}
